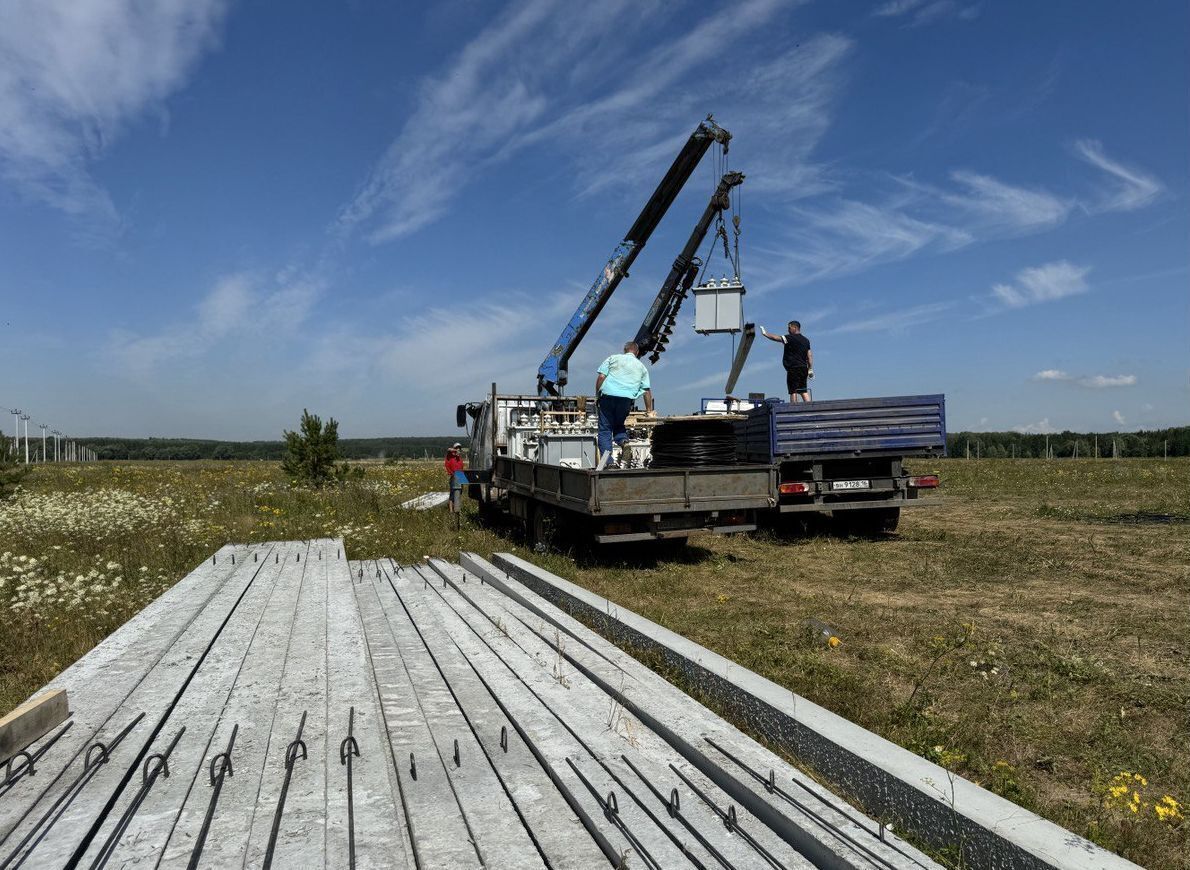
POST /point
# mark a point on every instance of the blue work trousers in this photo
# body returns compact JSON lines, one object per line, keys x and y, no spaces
{"x":613,"y":411}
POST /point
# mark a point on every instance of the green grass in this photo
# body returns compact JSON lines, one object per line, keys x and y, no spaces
{"x":1014,"y":634}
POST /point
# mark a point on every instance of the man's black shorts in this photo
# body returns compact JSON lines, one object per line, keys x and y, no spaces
{"x":795,"y":379}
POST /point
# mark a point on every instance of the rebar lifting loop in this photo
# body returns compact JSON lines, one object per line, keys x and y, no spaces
{"x":412,"y":766}
{"x":162,"y":768}
{"x":611,"y":805}
{"x":504,"y":737}
{"x":87,"y":759}
{"x":291,"y":752}
{"x":28,"y":766}
{"x":675,"y":804}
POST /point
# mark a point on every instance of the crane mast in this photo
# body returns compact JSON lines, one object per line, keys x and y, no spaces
{"x":552,"y":374}
{"x":658,"y":324}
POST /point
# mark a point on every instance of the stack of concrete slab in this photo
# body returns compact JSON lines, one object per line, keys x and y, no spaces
{"x":283,"y":707}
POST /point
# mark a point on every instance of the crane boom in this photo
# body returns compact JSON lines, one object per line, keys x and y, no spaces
{"x":552,"y":374}
{"x":654,"y":332}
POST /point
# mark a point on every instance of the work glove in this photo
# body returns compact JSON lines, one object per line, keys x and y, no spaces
{"x":810,"y":373}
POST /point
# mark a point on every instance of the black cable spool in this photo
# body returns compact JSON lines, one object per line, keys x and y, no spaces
{"x":694,"y":443}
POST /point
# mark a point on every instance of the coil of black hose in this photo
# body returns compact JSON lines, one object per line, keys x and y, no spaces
{"x":693,"y":443}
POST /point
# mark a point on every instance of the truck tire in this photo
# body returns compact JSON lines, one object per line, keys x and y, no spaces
{"x":871,"y":523}
{"x":543,"y":529}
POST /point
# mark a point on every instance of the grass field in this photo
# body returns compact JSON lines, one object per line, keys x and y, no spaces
{"x":1025,"y":634}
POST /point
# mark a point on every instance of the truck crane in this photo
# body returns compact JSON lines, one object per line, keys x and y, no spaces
{"x":552,"y":375}
{"x":533,"y":456}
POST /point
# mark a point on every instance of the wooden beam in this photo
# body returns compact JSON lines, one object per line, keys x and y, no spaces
{"x":32,"y":720}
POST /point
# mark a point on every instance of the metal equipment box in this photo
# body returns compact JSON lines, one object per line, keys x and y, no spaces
{"x":719,"y":307}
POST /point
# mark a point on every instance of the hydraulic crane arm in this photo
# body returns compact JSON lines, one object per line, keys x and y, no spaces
{"x":552,"y":374}
{"x":658,"y":324}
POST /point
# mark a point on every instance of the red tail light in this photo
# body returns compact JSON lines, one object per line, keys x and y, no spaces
{"x":796,"y":488}
{"x":924,"y":481}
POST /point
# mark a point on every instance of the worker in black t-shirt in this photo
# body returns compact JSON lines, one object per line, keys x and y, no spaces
{"x":798,"y":360}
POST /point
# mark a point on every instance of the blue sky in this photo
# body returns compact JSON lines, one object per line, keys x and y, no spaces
{"x":214,"y":214}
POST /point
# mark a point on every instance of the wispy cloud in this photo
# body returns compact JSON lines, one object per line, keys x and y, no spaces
{"x":921,"y":12}
{"x":847,"y":236}
{"x":74,"y":74}
{"x":1119,"y":418}
{"x":490,"y":102}
{"x":240,"y":304}
{"x":1129,"y":188}
{"x":1045,"y":283}
{"x":1094,"y":382}
{"x":998,"y":205}
{"x":895,"y":321}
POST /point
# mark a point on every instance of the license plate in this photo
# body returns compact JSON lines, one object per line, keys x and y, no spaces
{"x":851,"y":484}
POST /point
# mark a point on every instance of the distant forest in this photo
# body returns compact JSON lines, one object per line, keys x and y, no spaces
{"x":1062,"y":445}
{"x":193,"y":448}
{"x":987,"y":445}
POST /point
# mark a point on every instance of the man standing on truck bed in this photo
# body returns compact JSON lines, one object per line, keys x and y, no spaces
{"x":621,"y":380}
{"x":798,"y":360}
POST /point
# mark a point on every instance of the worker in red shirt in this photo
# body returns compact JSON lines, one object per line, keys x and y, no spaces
{"x":454,"y":463}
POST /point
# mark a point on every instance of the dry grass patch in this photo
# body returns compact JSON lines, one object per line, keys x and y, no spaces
{"x":1021,"y":635}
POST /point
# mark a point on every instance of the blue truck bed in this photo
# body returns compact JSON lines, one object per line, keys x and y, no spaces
{"x":885,"y":426}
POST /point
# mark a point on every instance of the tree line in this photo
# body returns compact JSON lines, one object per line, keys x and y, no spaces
{"x":1004,"y":445}
{"x":396,"y":447}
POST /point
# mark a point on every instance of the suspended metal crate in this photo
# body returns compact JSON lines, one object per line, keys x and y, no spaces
{"x":719,"y":307}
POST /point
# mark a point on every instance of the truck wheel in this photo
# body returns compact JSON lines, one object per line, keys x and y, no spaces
{"x":872,"y":523}
{"x":543,"y":529}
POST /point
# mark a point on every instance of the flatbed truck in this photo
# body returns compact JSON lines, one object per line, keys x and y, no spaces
{"x":532,"y":459}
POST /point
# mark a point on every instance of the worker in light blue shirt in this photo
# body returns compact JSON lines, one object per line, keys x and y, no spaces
{"x":621,"y":380}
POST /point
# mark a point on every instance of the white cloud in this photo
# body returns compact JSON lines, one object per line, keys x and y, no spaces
{"x":240,"y":304}
{"x":1119,"y":418}
{"x":1005,"y":206}
{"x":74,"y":73}
{"x":530,"y":78}
{"x":927,"y":11}
{"x":1099,"y":382}
{"x":844,"y":237}
{"x":1051,"y":375}
{"x":1129,"y":189}
{"x":1042,"y":427}
{"x":1046,"y":283}
{"x":894,"y":321}
{"x":1094,"y":382}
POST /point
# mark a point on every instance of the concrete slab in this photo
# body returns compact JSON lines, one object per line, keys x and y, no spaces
{"x":920,"y":796}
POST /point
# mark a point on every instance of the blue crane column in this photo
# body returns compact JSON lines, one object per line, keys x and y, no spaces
{"x":552,"y":374}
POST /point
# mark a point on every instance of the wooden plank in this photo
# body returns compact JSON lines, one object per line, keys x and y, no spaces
{"x":32,"y":720}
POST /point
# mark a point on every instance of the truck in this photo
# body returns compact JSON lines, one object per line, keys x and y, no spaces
{"x":845,"y":457}
{"x":533,"y":457}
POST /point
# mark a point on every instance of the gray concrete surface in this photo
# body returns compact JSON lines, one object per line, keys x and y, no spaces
{"x":916,"y":795}
{"x":492,"y":731}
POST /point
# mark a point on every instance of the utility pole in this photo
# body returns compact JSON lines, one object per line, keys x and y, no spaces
{"x":1167,"y":448}
{"x":16,"y":428}
{"x":57,"y":456}
{"x":1048,"y":455}
{"x":25,"y":417}
{"x":43,"y":427}
{"x":1096,"y":446}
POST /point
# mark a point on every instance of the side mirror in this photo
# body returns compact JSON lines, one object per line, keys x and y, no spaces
{"x":461,"y":416}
